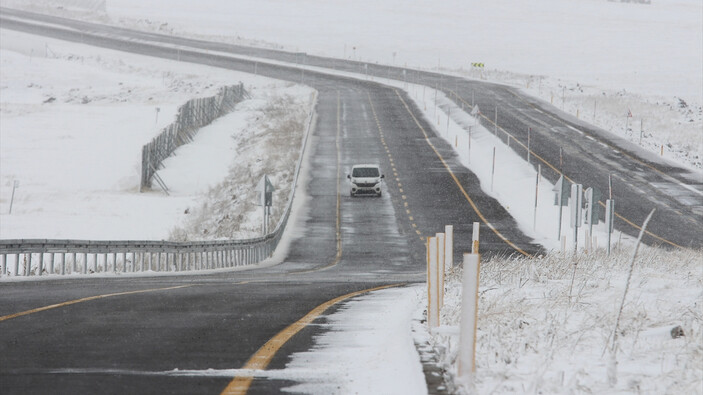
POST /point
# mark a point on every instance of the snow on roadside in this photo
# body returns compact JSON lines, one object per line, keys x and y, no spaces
{"x":669,"y":126}
{"x":366,"y":348}
{"x":74,"y":119}
{"x":599,"y":55}
{"x":267,"y":145}
{"x":540,"y":333}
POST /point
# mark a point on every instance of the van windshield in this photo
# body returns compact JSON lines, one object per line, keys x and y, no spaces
{"x":365,"y":172}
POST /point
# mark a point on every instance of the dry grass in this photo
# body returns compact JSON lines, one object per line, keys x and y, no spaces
{"x":540,"y":332}
{"x":269,"y":146}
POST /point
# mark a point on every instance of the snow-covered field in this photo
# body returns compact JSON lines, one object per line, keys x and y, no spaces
{"x":539,"y":331}
{"x":74,"y":119}
{"x":595,"y":58}
{"x":74,"y":123}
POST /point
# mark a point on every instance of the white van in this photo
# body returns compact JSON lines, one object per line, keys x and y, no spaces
{"x":365,"y":180}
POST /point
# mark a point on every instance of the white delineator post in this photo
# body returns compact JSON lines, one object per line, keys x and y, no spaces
{"x":576,"y":213}
{"x":469,"y":316}
{"x":475,"y":238}
{"x":440,"y":267}
{"x":448,"y":248}
{"x":432,"y":284}
{"x":609,"y":217}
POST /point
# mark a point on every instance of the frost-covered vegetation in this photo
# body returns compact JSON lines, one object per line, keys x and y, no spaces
{"x":270,"y":146}
{"x":545,"y":325}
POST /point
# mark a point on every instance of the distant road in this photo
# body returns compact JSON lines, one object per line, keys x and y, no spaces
{"x":641,"y":180}
{"x":132,"y":342}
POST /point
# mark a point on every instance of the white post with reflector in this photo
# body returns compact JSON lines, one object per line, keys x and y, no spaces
{"x":440,"y":267}
{"x":432,"y":284}
{"x":448,"y":248}
{"x":475,"y":238}
{"x":466,"y":358}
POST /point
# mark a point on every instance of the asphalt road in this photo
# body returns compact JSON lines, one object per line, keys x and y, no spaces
{"x":132,"y":342}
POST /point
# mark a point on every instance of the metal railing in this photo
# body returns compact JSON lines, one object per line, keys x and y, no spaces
{"x":193,"y":115}
{"x":37,"y":257}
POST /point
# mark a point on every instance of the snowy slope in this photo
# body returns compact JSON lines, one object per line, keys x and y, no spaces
{"x":74,"y":123}
{"x":597,"y":59}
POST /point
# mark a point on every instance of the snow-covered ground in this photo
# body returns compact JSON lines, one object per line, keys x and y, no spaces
{"x":74,"y":123}
{"x":546,"y":326}
{"x":609,"y":56}
{"x":595,"y":58}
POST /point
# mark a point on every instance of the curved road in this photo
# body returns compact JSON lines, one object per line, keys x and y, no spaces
{"x":132,"y":339}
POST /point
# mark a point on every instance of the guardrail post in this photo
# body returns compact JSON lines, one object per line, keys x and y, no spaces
{"x":51,"y":263}
{"x":4,"y":264}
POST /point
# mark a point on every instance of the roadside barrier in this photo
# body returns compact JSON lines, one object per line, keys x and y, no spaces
{"x":37,"y":257}
{"x":439,"y":262}
{"x":192,"y":116}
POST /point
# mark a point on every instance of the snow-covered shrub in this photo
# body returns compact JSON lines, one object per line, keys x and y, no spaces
{"x":270,"y":146}
{"x":539,"y":331}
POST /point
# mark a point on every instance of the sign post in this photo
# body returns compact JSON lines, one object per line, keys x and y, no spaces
{"x":609,"y":217}
{"x":592,"y":197}
{"x":561,"y":198}
{"x":264,"y":191}
{"x":576,"y":213}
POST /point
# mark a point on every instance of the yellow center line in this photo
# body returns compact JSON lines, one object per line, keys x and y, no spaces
{"x":87,"y":299}
{"x":532,"y":153}
{"x":456,"y":180}
{"x":338,"y":256}
{"x":261,"y":359}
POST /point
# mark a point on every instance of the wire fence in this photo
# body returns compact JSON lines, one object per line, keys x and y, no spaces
{"x":38,"y":257}
{"x":191,"y":117}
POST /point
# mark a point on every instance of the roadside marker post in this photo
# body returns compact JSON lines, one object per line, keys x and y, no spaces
{"x":15,"y":185}
{"x":475,"y":238}
{"x":448,"y":248}
{"x":609,"y":217}
{"x":529,"y":130}
{"x":561,"y":198}
{"x":592,"y":196}
{"x":265,"y":191}
{"x":440,"y":267}
{"x":493,"y":168}
{"x":432,"y":280}
{"x":576,"y":213}
{"x":539,"y":175}
{"x":469,"y":316}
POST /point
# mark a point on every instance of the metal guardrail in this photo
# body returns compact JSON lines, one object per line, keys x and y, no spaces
{"x":37,"y":257}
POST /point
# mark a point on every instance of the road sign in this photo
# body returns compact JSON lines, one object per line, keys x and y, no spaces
{"x":265,"y":192}
{"x":593,"y":195}
{"x":475,"y":111}
{"x":576,"y":203}
{"x":561,"y":191}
